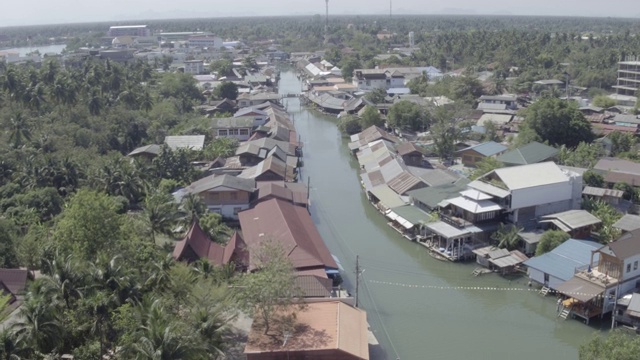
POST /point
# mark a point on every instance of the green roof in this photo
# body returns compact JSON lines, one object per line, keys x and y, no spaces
{"x":531,"y":153}
{"x":412,"y":214}
{"x":432,"y":196}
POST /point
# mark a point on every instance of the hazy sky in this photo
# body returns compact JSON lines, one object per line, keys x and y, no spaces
{"x":29,"y":12}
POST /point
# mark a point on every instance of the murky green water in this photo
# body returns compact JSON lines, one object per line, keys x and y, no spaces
{"x":419,"y":307}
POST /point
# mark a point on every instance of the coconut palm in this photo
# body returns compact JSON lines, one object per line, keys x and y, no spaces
{"x":19,"y":130}
{"x":160,"y":212}
{"x":65,"y":280}
{"x":507,"y":237}
{"x":37,"y":329}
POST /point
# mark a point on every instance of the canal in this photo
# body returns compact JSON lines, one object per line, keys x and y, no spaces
{"x":419,"y":307}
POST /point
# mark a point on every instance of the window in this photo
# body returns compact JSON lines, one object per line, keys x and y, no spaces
{"x":236,"y":211}
{"x":244,"y":131}
{"x":635,"y":265}
{"x":233,"y":131}
{"x":222,"y":132}
{"x":628,"y":267}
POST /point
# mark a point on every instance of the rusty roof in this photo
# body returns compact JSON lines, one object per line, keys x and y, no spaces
{"x":314,"y":286}
{"x":15,"y":280}
{"x":404,"y":182}
{"x":321,"y":326}
{"x":406,"y":148}
{"x":292,"y":226}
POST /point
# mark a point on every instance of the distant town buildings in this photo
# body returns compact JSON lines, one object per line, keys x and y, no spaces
{"x":129,"y":30}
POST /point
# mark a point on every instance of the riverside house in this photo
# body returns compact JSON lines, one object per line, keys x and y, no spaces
{"x":519,"y":195}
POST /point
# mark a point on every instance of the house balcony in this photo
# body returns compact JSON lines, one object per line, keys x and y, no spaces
{"x":595,"y":276}
{"x":454,"y":221}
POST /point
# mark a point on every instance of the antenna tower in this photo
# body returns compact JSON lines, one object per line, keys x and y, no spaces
{"x":326,"y":21}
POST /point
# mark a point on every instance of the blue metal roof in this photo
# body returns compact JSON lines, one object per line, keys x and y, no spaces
{"x":562,"y":261}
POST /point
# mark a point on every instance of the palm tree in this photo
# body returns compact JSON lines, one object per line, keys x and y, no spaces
{"x":37,"y":329}
{"x":19,"y":128}
{"x":160,"y":212}
{"x":65,"y":281}
{"x":507,"y":237}
{"x":193,"y":208}
{"x":95,"y":103}
{"x":146,"y":101}
{"x":159,"y":337}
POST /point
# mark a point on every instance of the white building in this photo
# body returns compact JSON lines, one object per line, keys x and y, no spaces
{"x":529,"y":191}
{"x":194,"y":67}
{"x":205,"y":41}
{"x":371,"y":79}
{"x":129,"y":30}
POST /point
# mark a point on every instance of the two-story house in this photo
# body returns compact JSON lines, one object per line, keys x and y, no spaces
{"x":234,"y":127}
{"x":528,"y":192}
{"x":518,"y":195}
{"x":614,"y":270}
{"x":371,"y":79}
{"x":260,"y":117}
{"x":497,"y":102}
{"x":226,"y":195}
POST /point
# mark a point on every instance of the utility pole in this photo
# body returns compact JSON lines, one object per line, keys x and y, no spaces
{"x":390,"y":8}
{"x":308,"y":192}
{"x":358,"y":272}
{"x":326,"y":21}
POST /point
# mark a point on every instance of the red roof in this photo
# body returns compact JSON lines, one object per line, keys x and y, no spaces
{"x":292,"y":226}
{"x":196,"y":244}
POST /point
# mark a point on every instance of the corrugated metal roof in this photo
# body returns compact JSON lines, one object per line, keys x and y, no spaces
{"x":15,"y":280}
{"x":574,"y":219}
{"x":214,"y":181}
{"x":525,"y":176}
{"x":387,"y":196}
{"x":497,"y":119}
{"x":193,"y":142}
{"x":628,"y":222}
{"x":562,"y":261}
{"x":531,"y":153}
{"x":412,"y":214}
{"x":432,"y":196}
{"x":404,"y":182}
{"x":625,"y":246}
{"x":489,"y":148}
{"x":601,"y":192}
{"x":152,"y":149}
{"x":443,"y":229}
{"x":232,"y":122}
{"x":580,"y":289}
{"x":474,"y":206}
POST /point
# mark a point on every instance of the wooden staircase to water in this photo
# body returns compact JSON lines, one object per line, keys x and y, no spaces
{"x":544,"y":291}
{"x":564,"y":313}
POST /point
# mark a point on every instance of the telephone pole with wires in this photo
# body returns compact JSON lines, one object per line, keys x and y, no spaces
{"x":358,"y":273}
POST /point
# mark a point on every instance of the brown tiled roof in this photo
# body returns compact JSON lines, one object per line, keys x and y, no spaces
{"x":196,"y":245}
{"x":321,"y":326}
{"x":15,"y":280}
{"x":292,"y":226}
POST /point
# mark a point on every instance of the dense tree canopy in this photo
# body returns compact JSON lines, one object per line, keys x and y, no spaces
{"x":559,"y":122}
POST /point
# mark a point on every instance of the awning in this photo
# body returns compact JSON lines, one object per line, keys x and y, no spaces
{"x":580,"y":289}
{"x":558,"y":224}
{"x":445,"y":230}
{"x":474,"y":206}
